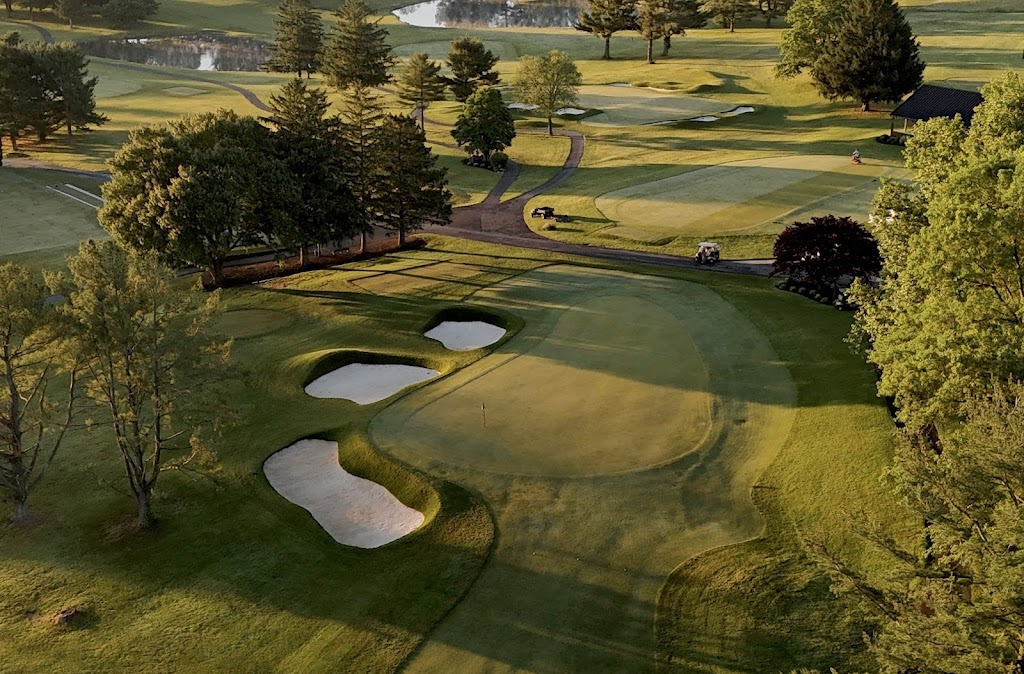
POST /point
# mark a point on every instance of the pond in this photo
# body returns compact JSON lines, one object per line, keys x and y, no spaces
{"x":492,"y":13}
{"x":203,"y":51}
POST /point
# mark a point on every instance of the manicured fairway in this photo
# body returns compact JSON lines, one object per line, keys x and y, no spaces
{"x":583,"y":546}
{"x":628,"y":106}
{"x":36,"y":218}
{"x":742,"y":196}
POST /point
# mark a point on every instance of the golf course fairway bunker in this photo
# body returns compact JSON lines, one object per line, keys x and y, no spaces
{"x":465,"y":335}
{"x":354,"y":511}
{"x":365,"y":383}
{"x":742,"y":195}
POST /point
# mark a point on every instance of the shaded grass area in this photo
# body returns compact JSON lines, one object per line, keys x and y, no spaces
{"x":35,"y":217}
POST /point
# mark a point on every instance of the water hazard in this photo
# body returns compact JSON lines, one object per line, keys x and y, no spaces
{"x":492,"y":13}
{"x":193,"y":52}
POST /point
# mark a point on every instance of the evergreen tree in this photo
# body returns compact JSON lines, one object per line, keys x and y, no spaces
{"x":604,"y":18}
{"x":310,"y":143}
{"x":298,"y":39}
{"x":362,"y":114}
{"x":23,"y":90}
{"x":420,"y":83}
{"x":472,"y":67}
{"x":652,"y":18}
{"x":813,"y":26}
{"x":550,"y":82}
{"x":72,"y":89}
{"x":126,"y":13}
{"x":357,"y":54}
{"x":728,"y":12}
{"x":874,"y":56}
{"x":485,"y":124}
{"x":409,"y":189}
{"x":70,"y":11}
{"x":680,"y":15}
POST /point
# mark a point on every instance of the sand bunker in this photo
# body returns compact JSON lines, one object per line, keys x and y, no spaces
{"x":570,"y":111}
{"x":742,"y":110}
{"x":522,"y":106}
{"x":365,"y":384}
{"x":465,"y":335}
{"x":353,"y":510}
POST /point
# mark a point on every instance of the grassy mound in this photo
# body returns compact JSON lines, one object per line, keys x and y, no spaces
{"x":629,"y":106}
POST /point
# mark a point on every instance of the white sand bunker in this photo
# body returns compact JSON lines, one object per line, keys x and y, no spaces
{"x":570,"y":111}
{"x":522,"y":106}
{"x":354,"y":511}
{"x":742,"y":110}
{"x":364,"y":384}
{"x":465,"y":335}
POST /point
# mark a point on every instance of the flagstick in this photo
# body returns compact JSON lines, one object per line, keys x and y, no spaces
{"x":483,"y":411}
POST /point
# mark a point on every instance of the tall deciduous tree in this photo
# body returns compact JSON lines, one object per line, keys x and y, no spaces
{"x":485,"y":124}
{"x":298,"y":39}
{"x":550,"y":82}
{"x":357,"y":54}
{"x":948,"y":318}
{"x":773,"y":9}
{"x":410,"y":190}
{"x":362,"y":114}
{"x":728,"y":12}
{"x":813,"y":27}
{"x":310,"y":143}
{"x":652,"y":18}
{"x":874,"y":56}
{"x":420,"y":83}
{"x":826,"y":249}
{"x":146,"y":358}
{"x":605,"y":18}
{"x":471,"y":65}
{"x":34,"y":417}
{"x":70,"y":10}
{"x":193,"y":191}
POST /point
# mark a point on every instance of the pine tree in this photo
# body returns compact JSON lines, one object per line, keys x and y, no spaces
{"x":728,"y":12}
{"x":310,"y":143}
{"x":472,"y":67}
{"x":420,"y":83}
{"x":72,"y":93}
{"x":874,"y":56}
{"x":357,"y":54}
{"x":298,"y":39}
{"x":409,"y":188}
{"x":362,"y":114}
{"x":681,"y":15}
{"x":604,"y":18}
{"x":652,"y":17}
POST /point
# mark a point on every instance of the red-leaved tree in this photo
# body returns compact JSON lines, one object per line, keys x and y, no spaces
{"x":825,"y":250}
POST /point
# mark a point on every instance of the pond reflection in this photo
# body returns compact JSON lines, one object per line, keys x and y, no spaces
{"x":192,"y":52}
{"x":492,"y":13}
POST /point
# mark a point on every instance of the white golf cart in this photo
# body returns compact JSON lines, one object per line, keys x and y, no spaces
{"x":707,"y":253}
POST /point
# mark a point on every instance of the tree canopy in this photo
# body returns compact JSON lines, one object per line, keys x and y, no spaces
{"x":604,"y":18}
{"x":826,"y":249}
{"x":471,"y":65}
{"x":872,"y":56}
{"x":485,"y":124}
{"x":193,"y":191}
{"x":420,"y":83}
{"x":813,"y":26}
{"x":550,"y":82}
{"x":357,"y":54}
{"x":728,"y":12}
{"x":298,"y":39}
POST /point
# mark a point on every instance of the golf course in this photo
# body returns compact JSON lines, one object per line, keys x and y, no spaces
{"x":516,"y":444}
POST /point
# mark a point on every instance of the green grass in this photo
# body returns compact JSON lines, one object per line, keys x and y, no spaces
{"x":37,"y":218}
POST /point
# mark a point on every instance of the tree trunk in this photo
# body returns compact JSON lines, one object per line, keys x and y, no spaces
{"x":217,"y":273}
{"x":20,"y":509}
{"x":362,"y":242}
{"x":14,"y":142}
{"x":866,"y":107}
{"x":607,"y":48}
{"x":143,"y":502}
{"x":302,"y":256}
{"x":667,"y":42}
{"x":551,"y":129}
{"x":69,"y":131}
{"x":650,"y":50}
{"x":10,"y":9}
{"x":401,"y":237}
{"x":732,"y":25}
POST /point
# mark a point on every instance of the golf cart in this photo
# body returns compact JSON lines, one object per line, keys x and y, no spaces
{"x":707,"y":253}
{"x":543,"y":212}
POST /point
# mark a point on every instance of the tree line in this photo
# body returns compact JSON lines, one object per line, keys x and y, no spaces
{"x":44,"y":87}
{"x":119,"y":13}
{"x":126,"y":339}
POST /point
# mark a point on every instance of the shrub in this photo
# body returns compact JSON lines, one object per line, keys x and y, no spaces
{"x":499,"y":160}
{"x":802,"y":290}
{"x":825,"y":300}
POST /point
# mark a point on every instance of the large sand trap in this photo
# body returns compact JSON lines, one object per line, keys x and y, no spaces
{"x":465,"y":335}
{"x":354,"y":511}
{"x":364,"y":384}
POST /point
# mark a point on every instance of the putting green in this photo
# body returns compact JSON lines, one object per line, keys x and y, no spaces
{"x":668,"y":402}
{"x":742,"y":196}
{"x":243,"y":323}
{"x":629,"y":106}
